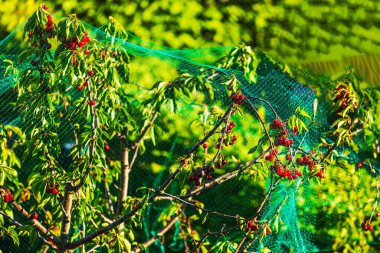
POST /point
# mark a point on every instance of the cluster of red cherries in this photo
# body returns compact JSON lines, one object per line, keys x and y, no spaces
{"x":8,"y":197}
{"x":251,"y":226}
{"x":237,"y":98}
{"x":206,"y":171}
{"x":52,"y":190}
{"x":285,"y":172}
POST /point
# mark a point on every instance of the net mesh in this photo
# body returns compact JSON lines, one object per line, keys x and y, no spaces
{"x":303,"y":217}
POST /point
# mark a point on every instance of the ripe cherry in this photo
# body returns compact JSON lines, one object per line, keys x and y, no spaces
{"x":81,"y":43}
{"x":197,"y":183}
{"x":209,"y":177}
{"x":35,"y":216}
{"x":11,"y":197}
{"x":205,"y":145}
{"x":359,"y":165}
{"x":377,"y":214}
{"x":250,"y":224}
{"x":288,"y":157}
{"x":234,"y":138}
{"x":45,"y":7}
{"x":73,"y":45}
{"x":6,"y":198}
{"x":92,"y":102}
{"x":107,"y":148}
{"x":370,"y":227}
{"x":54,"y":191}
{"x":80,"y":87}
{"x":91,"y":73}
{"x":191,"y":178}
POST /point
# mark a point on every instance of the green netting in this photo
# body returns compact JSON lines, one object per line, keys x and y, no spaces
{"x":301,"y":213}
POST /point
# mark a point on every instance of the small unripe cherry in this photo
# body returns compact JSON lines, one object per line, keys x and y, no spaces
{"x":107,"y":148}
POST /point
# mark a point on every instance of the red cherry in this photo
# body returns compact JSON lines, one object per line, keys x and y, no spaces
{"x":107,"y":148}
{"x":81,"y":43}
{"x":80,"y":87}
{"x":295,"y":129}
{"x":288,"y":157}
{"x":73,"y":45}
{"x":360,"y":165}
{"x":224,"y":162}
{"x":6,"y":198}
{"x":197,"y":183}
{"x":85,"y":83}
{"x":250,"y":224}
{"x":370,"y":228}
{"x":35,"y":216}
{"x":234,"y":138}
{"x":205,"y":145}
{"x":267,"y":231}
{"x":191,"y":178}
{"x":247,"y":229}
{"x":355,"y":104}
{"x":54,"y":191}
{"x":45,"y":7}
{"x":74,"y":60}
{"x":209,"y":177}
{"x":87,"y":52}
{"x":92,"y":102}
{"x":91,"y":73}
{"x":377,"y":214}
{"x":11,"y":197}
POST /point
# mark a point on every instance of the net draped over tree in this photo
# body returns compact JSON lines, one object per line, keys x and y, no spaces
{"x":112,"y":144}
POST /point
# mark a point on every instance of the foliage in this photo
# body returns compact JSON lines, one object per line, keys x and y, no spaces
{"x":207,"y":130}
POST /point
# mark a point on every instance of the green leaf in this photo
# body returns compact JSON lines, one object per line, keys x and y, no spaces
{"x":262,"y":141}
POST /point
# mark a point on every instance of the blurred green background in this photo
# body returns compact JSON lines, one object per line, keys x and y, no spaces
{"x":296,"y":31}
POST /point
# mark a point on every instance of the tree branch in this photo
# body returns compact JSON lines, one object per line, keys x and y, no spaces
{"x":128,"y":215}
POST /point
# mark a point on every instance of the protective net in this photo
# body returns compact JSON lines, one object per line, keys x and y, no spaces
{"x":246,"y":205}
